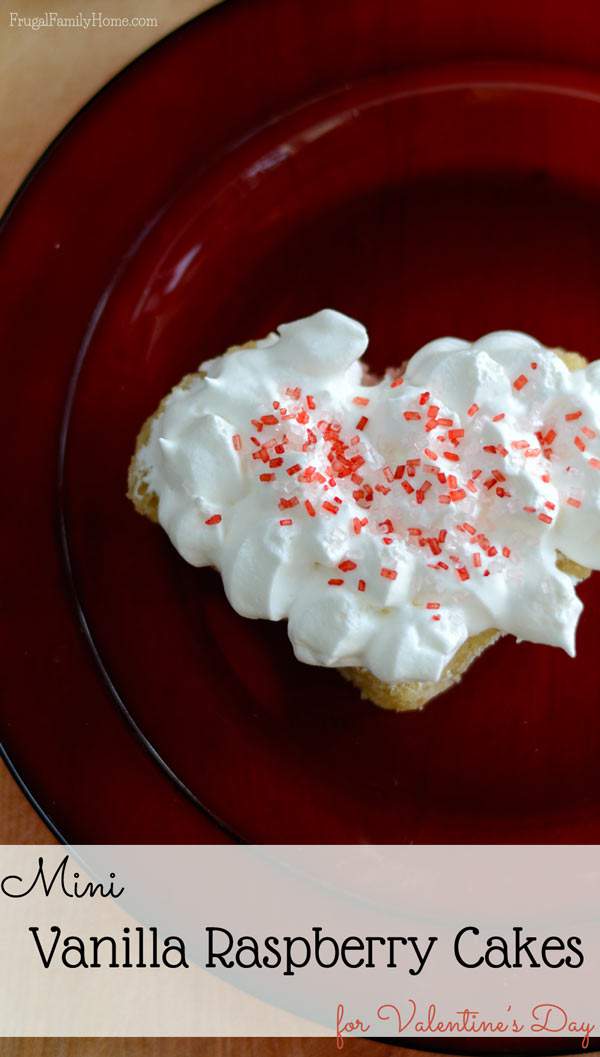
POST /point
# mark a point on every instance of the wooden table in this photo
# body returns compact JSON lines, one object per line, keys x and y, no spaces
{"x":196,"y":1048}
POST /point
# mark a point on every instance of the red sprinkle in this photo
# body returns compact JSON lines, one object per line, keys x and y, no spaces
{"x":396,"y":382}
{"x":432,"y":605}
{"x":294,"y":469}
{"x":574,"y":502}
{"x":310,"y":510}
{"x":573,"y":415}
{"x":474,"y":408}
{"x":287,"y":504}
{"x":214,"y":520}
{"x":587,"y":432}
{"x":498,"y":418}
{"x":286,"y":521}
{"x":330,"y":507}
{"x":545,"y":518}
{"x":506,"y":552}
{"x":521,"y":381}
{"x":335,"y":583}
{"x":362,"y":422}
{"x":412,"y":416}
{"x":310,"y":403}
{"x":579,"y":443}
{"x":422,"y":491}
{"x":237,"y":442}
{"x":424,"y":397}
{"x":347,"y":566}
{"x":454,"y":435}
{"x":361,"y":585}
{"x":595,"y":463}
{"x":388,"y":574}
{"x":362,"y":401}
{"x":267,"y":477}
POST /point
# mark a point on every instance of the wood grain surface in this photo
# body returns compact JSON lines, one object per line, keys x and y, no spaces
{"x":195,"y":1048}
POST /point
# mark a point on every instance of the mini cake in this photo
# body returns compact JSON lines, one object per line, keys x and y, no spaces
{"x":400,"y":525}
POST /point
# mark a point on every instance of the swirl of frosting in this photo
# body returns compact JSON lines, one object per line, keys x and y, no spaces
{"x":387,"y":521}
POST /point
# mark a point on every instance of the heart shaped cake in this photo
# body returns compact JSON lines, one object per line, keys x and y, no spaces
{"x":400,"y":524}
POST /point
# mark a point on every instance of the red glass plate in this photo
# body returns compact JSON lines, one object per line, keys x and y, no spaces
{"x":411,"y":165}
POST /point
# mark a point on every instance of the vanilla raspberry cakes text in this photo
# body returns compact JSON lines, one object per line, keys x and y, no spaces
{"x":400,"y":524}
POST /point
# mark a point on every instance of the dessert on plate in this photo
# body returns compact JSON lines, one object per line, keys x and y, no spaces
{"x":399,"y":524}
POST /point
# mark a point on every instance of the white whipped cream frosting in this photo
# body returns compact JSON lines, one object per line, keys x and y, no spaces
{"x":289,"y":471}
